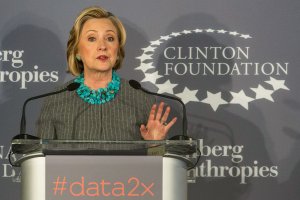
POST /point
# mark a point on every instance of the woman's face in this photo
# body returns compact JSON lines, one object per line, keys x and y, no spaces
{"x":98,"y":45}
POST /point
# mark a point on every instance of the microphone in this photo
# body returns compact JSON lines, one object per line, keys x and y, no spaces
{"x":136,"y":85}
{"x":72,"y":86}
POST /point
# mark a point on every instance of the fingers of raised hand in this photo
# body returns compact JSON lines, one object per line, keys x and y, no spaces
{"x":165,"y":115}
{"x":159,"y":111}
{"x":144,"y":131}
{"x":159,"y":116}
{"x":152,"y":112}
{"x":171,"y":123}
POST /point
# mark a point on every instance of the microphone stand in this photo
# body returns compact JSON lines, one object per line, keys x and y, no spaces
{"x":72,"y":86}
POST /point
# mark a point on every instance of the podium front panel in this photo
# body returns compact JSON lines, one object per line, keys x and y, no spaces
{"x":166,"y":181}
{"x":103,"y":177}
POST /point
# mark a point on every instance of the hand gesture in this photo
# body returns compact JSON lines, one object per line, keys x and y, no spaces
{"x":157,"y":126}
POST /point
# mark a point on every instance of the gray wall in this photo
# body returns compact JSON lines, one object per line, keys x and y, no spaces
{"x":250,"y":101}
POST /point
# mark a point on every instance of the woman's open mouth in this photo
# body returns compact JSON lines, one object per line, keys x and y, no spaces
{"x":102,"y":57}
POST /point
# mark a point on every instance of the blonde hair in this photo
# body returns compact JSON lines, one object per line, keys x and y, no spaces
{"x":75,"y":66}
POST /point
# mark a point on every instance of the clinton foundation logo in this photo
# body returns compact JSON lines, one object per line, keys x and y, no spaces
{"x":212,"y":67}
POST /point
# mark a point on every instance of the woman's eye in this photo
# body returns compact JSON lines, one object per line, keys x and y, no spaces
{"x":110,"y":39}
{"x":91,"y":39}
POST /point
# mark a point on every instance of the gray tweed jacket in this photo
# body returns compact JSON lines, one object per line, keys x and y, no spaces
{"x":67,"y":116}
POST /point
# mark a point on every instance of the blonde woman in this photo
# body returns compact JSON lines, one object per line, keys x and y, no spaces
{"x":104,"y":107}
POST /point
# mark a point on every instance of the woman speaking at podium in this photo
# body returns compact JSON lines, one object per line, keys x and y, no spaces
{"x":104,"y":106}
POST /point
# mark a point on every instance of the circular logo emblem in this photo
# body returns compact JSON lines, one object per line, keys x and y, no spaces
{"x":211,"y":66}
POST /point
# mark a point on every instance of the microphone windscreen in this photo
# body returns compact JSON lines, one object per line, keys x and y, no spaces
{"x":73,"y":86}
{"x":136,"y":85}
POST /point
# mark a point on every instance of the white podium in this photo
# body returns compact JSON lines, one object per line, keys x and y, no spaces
{"x":170,"y":160}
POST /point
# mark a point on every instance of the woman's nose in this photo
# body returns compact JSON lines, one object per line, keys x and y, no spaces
{"x":102,"y":45}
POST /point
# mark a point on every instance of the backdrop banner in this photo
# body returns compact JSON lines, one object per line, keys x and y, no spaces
{"x":235,"y":65}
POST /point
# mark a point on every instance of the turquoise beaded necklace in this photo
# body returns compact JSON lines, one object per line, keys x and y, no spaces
{"x":100,"y":96}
